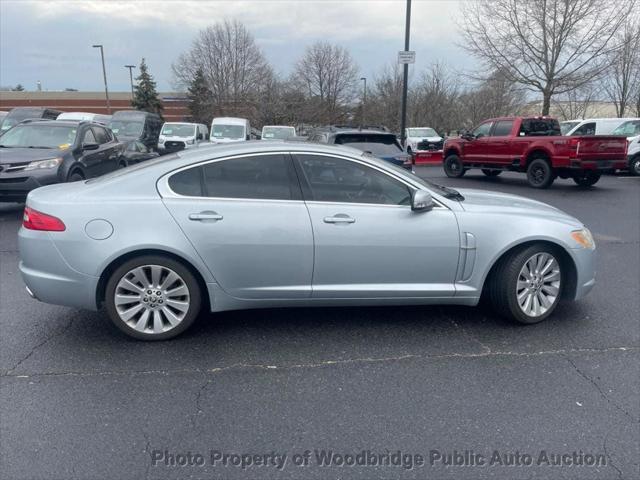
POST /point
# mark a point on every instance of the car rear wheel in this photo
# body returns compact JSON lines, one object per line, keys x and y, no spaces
{"x":539,"y":173}
{"x":152,"y":298}
{"x":526,"y":285}
{"x":587,"y":179}
{"x":453,"y":166}
{"x":491,"y":173}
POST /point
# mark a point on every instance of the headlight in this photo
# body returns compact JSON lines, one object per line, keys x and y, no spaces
{"x":584,"y":238}
{"x":49,"y":163}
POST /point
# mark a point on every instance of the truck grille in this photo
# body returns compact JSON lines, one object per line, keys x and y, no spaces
{"x":431,"y":146}
{"x":174,"y":145}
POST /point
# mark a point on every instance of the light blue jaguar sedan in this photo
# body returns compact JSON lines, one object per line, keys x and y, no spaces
{"x":279,"y":224}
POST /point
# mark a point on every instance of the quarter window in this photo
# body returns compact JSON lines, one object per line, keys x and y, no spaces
{"x":102,"y":136}
{"x":586,"y":129}
{"x":332,"y":179}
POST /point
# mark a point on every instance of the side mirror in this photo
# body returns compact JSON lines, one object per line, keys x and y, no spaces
{"x":90,"y":146}
{"x":421,"y":201}
{"x":467,"y":135}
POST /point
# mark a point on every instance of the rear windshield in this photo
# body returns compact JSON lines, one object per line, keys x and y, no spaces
{"x":422,"y":132}
{"x":628,"y":129}
{"x":379,"y":145}
{"x":127,"y":128}
{"x":540,"y":127}
{"x":39,"y":136}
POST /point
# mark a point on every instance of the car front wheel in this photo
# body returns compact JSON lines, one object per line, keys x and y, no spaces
{"x":152,"y":297}
{"x":453,"y":166}
{"x":526,"y":285}
{"x":634,"y":165}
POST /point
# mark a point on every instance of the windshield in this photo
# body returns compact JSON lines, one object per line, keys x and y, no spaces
{"x":279,"y":133}
{"x":379,"y":145}
{"x":38,"y":136}
{"x":422,"y":132}
{"x":566,"y":126}
{"x":628,"y":129}
{"x":227,"y":131}
{"x":127,"y":128}
{"x":178,"y":130}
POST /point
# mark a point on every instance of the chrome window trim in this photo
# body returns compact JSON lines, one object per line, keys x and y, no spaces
{"x":165,"y":190}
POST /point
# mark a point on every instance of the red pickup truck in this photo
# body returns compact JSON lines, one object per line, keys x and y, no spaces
{"x":534,"y":145}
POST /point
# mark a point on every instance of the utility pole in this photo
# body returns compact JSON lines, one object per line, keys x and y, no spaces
{"x":104,"y":74}
{"x":131,"y":67}
{"x":364,"y":101}
{"x":405,"y":78}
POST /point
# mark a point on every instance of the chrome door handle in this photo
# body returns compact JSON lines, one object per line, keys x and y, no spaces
{"x":339,"y":218}
{"x":203,"y":216}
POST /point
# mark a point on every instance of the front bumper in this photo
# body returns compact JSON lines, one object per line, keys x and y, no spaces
{"x":585,"y":262}
{"x":48,"y":277}
{"x":14,"y":186}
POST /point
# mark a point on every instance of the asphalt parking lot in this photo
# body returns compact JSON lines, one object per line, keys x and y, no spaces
{"x":80,"y":401}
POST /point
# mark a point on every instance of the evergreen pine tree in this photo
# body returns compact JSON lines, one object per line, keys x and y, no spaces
{"x":145,"y":96}
{"x":200,"y":96}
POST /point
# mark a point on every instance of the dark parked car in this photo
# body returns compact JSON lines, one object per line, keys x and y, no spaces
{"x":377,"y":141}
{"x":19,"y":114}
{"x":128,"y":125}
{"x":137,"y":151}
{"x":36,"y":153}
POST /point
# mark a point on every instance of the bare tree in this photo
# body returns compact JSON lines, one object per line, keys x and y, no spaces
{"x":433,"y":99}
{"x":232,"y":63}
{"x":328,"y":75}
{"x":622,"y":80}
{"x":576,"y":103}
{"x":383,"y":102}
{"x":549,"y":46}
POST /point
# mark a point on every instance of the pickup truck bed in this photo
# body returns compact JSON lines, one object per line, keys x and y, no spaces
{"x":534,"y":146}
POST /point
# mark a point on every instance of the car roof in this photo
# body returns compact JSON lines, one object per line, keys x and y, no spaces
{"x":230,"y":120}
{"x":357,"y":131}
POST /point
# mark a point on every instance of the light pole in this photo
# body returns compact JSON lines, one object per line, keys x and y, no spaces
{"x":131,"y":67}
{"x":364,"y":101}
{"x":405,"y":78}
{"x":104,"y":74}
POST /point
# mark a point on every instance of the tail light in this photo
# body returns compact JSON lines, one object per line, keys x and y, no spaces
{"x":574,"y":145}
{"x":35,"y":220}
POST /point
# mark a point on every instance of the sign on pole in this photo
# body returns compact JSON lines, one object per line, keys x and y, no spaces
{"x":406,"y":57}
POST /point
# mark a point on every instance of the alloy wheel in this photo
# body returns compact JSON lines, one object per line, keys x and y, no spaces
{"x":538,"y":285}
{"x":152,"y":299}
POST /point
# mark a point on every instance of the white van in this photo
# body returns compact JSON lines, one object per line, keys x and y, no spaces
{"x":631,"y":130}
{"x":176,"y":136}
{"x":277,"y":132}
{"x":230,"y":129}
{"x":85,"y":117}
{"x":592,"y":126}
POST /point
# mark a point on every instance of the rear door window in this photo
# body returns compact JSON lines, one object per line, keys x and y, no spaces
{"x":502,"y":128}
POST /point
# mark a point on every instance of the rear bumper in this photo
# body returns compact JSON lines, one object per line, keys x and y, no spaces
{"x":48,"y":277}
{"x":601,"y":165}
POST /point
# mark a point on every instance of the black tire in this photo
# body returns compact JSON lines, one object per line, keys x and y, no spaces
{"x":539,"y":173}
{"x":75,"y":176}
{"x":193,"y":289}
{"x":634,"y":165}
{"x":122,"y":164}
{"x":453,"y":166}
{"x":587,"y":179}
{"x":491,"y":173}
{"x":502,"y":285}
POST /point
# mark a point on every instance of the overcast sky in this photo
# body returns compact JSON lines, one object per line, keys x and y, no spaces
{"x":51,"y":40}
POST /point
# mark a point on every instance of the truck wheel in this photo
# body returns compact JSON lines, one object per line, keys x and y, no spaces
{"x":539,"y":173}
{"x":587,"y":179}
{"x":634,"y":165}
{"x":526,"y":285}
{"x":491,"y":173}
{"x":453,"y":166}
